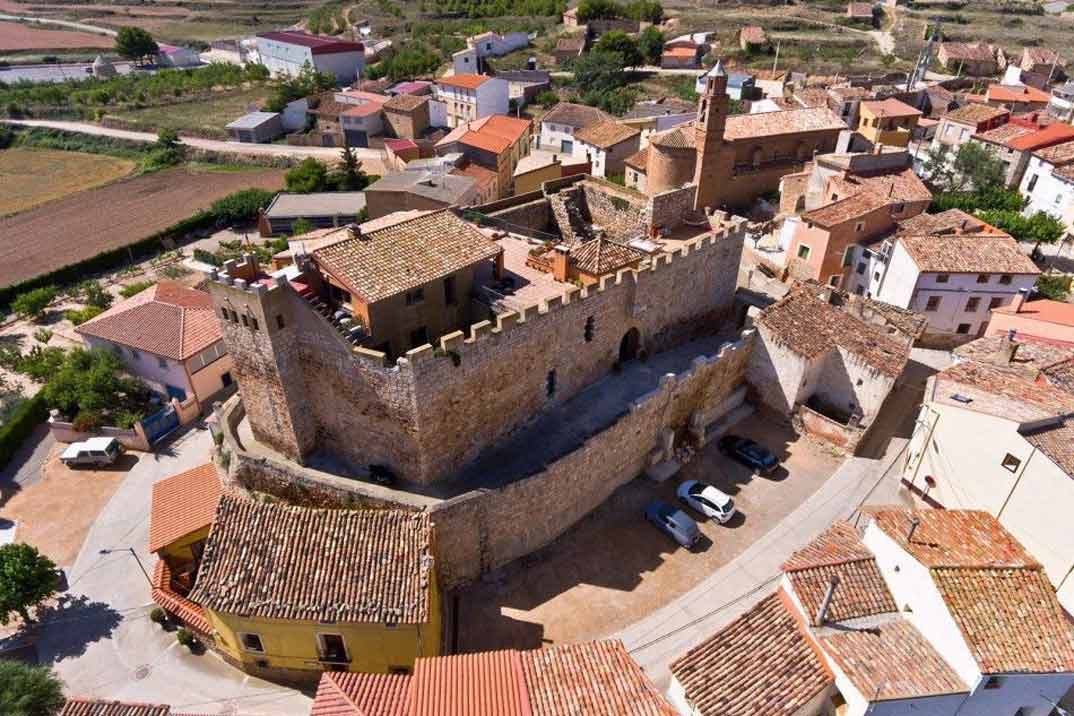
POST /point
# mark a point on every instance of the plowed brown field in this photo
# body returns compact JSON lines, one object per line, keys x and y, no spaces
{"x":84,"y":224}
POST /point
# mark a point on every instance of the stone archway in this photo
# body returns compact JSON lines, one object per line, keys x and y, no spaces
{"x":629,"y":345}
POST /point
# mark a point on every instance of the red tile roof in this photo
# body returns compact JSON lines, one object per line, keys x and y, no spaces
{"x":318,"y":44}
{"x":606,"y":135}
{"x":759,"y":665}
{"x":191,"y":614}
{"x":954,"y":538}
{"x":1043,"y":309}
{"x":952,"y":221}
{"x":182,"y":504}
{"x":850,"y":208}
{"x":1000,"y":391}
{"x":465,"y":81}
{"x":901,"y":185}
{"x":496,"y":133}
{"x":574,"y":115}
{"x":1016,"y":93}
{"x":168,"y":320}
{"x":790,"y":121}
{"x":966,"y":51}
{"x":358,"y":694}
{"x":1057,"y":133}
{"x":601,"y":256}
{"x":890,"y":107}
{"x":470,"y":684}
{"x":975,"y":114}
{"x":95,"y":707}
{"x":973,"y":253}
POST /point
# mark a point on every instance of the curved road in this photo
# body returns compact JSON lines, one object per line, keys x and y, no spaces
{"x":64,"y":23}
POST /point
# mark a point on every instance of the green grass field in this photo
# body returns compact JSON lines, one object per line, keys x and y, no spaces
{"x":207,"y":117}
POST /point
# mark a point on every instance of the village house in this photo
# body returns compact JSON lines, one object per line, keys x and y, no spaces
{"x":596,"y":678}
{"x":559,"y":124}
{"x":403,"y":191}
{"x":829,"y":360}
{"x":977,"y":60}
{"x":888,"y":122}
{"x":752,"y":38}
{"x":845,"y":102}
{"x":406,"y":116}
{"x":995,"y":433}
{"x":681,"y":55}
{"x":1061,"y":105}
{"x":473,"y":58}
{"x":540,"y":166}
{"x":523,"y":86}
{"x":1042,"y":319}
{"x":471,"y":96}
{"x":861,"y":12}
{"x":605,"y":146}
{"x":570,"y":48}
{"x":1014,"y":143}
{"x":286,"y":52}
{"x":497,"y":143}
{"x":321,"y":209}
{"x":931,"y":611}
{"x":373,"y":607}
{"x":656,"y":115}
{"x":953,"y":280}
{"x":168,"y":336}
{"x":956,"y":127}
{"x":1041,"y":61}
{"x":1017,"y":98}
{"x":1048,"y":183}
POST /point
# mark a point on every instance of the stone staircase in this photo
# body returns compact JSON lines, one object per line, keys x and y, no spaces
{"x":571,"y":220}
{"x":341,"y":322}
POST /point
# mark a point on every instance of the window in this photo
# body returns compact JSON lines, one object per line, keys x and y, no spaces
{"x":449,"y":290}
{"x":1006,"y":279}
{"x":251,"y":642}
{"x":942,"y":278}
{"x":254,"y":324}
{"x":332,"y":647}
{"x":415,"y":297}
{"x":859,"y":227}
{"x":135,"y":354}
{"x":163,"y":363}
{"x":588,"y":333}
{"x":861,"y":268}
{"x":933,"y":304}
{"x":972,"y":304}
{"x":398,"y":670}
{"x":419,"y":337}
{"x":834,"y":279}
{"x":225,"y":379}
{"x":279,"y":320}
{"x":245,"y":323}
{"x":1032,"y":183}
{"x":982,"y":278}
{"x":963,"y":328}
{"x":803,"y":251}
{"x":223,"y":312}
{"x":993,"y":682}
{"x":848,"y":256}
{"x":995,"y":303}
{"x":550,"y":383}
{"x":876,"y":276}
{"x":1010,"y":463}
{"x":1058,"y":199}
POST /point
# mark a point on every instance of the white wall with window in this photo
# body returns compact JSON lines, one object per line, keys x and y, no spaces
{"x":555,"y":137}
{"x":1049,"y":189}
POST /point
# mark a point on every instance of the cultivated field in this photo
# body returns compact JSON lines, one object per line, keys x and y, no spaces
{"x":16,"y":36}
{"x":35,"y":176}
{"x":203,"y":118}
{"x":78,"y":227}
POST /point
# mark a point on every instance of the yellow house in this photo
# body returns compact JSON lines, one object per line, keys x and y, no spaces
{"x":291,"y":591}
{"x":888,"y":121}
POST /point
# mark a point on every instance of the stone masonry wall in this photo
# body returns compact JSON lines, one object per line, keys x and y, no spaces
{"x":666,"y":209}
{"x":533,"y":216}
{"x":620,"y":212}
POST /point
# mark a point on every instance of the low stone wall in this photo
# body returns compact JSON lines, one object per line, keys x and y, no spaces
{"x":810,"y":422}
{"x":65,"y":432}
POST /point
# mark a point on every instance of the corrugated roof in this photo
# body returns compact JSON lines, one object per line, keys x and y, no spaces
{"x":280,"y":562}
{"x":182,"y":504}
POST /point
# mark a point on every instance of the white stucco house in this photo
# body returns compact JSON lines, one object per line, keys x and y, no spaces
{"x":932,"y":612}
{"x":467,"y":97}
{"x":559,"y":124}
{"x":286,"y":52}
{"x":487,"y":44}
{"x":996,"y":433}
{"x":606,"y":146}
{"x":1048,"y":183}
{"x":954,"y":281}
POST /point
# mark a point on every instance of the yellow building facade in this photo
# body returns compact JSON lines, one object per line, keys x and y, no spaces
{"x":888,"y":122}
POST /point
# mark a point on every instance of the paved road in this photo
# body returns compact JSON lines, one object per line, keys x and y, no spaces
{"x":671,"y":631}
{"x":102,"y":643}
{"x":278,"y":150}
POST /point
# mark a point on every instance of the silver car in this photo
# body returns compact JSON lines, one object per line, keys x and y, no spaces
{"x":707,"y":500}
{"x":673,"y":522}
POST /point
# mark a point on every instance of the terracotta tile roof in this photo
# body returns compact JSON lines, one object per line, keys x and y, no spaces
{"x":575,"y":115}
{"x":606,"y":134}
{"x":860,"y":9}
{"x":1057,"y":154}
{"x":753,"y":35}
{"x":470,"y":684}
{"x":952,"y":221}
{"x":168,"y":320}
{"x":594,"y":678}
{"x":182,"y":504}
{"x":681,"y":137}
{"x":1061,"y":376}
{"x":358,"y":694}
{"x":1016,"y":93}
{"x":811,"y":327}
{"x":967,"y":51}
{"x":1031,"y":357}
{"x":95,"y":707}
{"x":890,"y":107}
{"x":979,"y":253}
{"x":680,"y":51}
{"x":851,"y":208}
{"x":639,"y":160}
{"x":975,"y":114}
{"x":188,"y":612}
{"x":464,"y":81}
{"x":954,"y":538}
{"x":892,"y":661}
{"x":388,"y":261}
{"x":848,"y":92}
{"x":1010,"y":618}
{"x":1056,"y":442}
{"x":1039,"y":55}
{"x":1004,"y":134}
{"x":362,"y":110}
{"x":601,"y":256}
{"x":758,"y":665}
{"x":1000,"y":391}
{"x":811,"y":97}
{"x":484,"y":177}
{"x":352,"y":566}
{"x":496,"y":134}
{"x":789,"y":121}
{"x":839,"y":552}
{"x":901,"y":185}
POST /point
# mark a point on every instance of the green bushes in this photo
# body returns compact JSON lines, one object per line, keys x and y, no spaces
{"x":88,"y":389}
{"x":93,"y":294}
{"x":501,"y":8}
{"x":207,"y":257}
{"x":240,"y":207}
{"x":39,"y":364}
{"x":1054,"y":286}
{"x":81,"y":315}
{"x":28,"y":415}
{"x":412,"y":60}
{"x":971,"y":201}
{"x":134,"y":288}
{"x":1039,"y":228}
{"x":33,"y":303}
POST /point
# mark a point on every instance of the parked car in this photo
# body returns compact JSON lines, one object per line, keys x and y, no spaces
{"x":706,"y":499}
{"x":749,"y":453}
{"x":673,"y":522}
{"x":98,"y":452}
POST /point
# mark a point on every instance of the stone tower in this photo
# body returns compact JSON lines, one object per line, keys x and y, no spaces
{"x":714,"y":157}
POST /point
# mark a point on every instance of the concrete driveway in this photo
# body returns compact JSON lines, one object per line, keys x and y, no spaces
{"x":99,"y":637}
{"x":613,"y":568}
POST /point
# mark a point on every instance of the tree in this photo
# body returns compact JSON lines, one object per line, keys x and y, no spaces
{"x":646,"y":11}
{"x":27,"y":578}
{"x":976,"y":166}
{"x":301,"y":226}
{"x":599,"y":72}
{"x":29,"y":690}
{"x":88,"y":389}
{"x":599,"y":10}
{"x":1040,"y":228}
{"x":168,"y":139}
{"x":651,"y":45}
{"x":351,"y":177}
{"x":134,"y":43}
{"x":1053,"y":286}
{"x":309,"y":176}
{"x":33,"y":303}
{"x":621,"y":43}
{"x":937,"y":167}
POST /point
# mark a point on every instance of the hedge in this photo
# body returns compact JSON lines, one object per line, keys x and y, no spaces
{"x":22,"y":422}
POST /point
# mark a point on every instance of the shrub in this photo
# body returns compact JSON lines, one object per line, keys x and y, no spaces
{"x":42,"y":335}
{"x":33,"y":303}
{"x":1053,"y":286}
{"x":81,"y":315}
{"x":207,"y":257}
{"x":28,"y":415}
{"x":158,"y":616}
{"x":547,"y":98}
{"x":134,"y":288}
{"x":186,"y":637}
{"x":39,"y":364}
{"x":309,"y":176}
{"x":93,"y":294}
{"x":88,"y":386}
{"x":29,"y":690}
{"x":240,"y":207}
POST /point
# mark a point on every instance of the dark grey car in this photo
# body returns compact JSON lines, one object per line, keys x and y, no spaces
{"x":673,"y":522}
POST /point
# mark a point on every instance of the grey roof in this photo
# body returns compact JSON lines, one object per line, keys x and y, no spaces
{"x":327,"y":203}
{"x":534,"y":76}
{"x":253,"y":120}
{"x":448,"y":188}
{"x":738,"y":79}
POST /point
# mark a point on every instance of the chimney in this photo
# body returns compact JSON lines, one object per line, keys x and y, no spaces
{"x":560,"y":259}
{"x":1008,"y":347}
{"x":1019,"y":300}
{"x":913,"y":528}
{"x":822,"y":610}
{"x":354,"y":230}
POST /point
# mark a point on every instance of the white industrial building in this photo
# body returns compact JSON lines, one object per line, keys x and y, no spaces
{"x":286,"y":52}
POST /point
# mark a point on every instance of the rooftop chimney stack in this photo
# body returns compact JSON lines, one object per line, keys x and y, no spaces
{"x":1008,"y":347}
{"x":1019,"y":300}
{"x":354,"y":230}
{"x":822,"y":610}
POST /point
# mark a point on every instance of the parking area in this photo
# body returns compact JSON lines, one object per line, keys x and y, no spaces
{"x":613,"y":568}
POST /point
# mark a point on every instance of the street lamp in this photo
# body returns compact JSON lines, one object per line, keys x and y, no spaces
{"x":136,"y":559}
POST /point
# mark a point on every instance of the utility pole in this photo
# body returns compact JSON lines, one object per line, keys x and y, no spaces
{"x":775,"y":61}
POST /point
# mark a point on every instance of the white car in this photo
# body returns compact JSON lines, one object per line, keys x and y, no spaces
{"x":95,"y":451}
{"x":707,"y":500}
